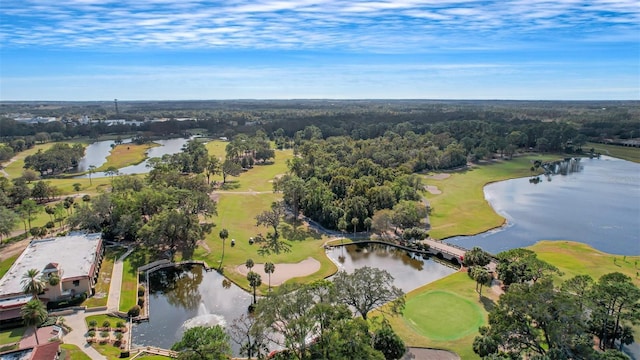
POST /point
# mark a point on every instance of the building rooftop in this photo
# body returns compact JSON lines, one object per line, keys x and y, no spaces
{"x":74,"y":253}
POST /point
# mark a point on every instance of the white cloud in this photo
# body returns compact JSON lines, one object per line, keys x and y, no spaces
{"x":375,"y":26}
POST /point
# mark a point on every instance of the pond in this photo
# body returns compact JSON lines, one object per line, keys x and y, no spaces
{"x":597,"y":204}
{"x":180,"y":299}
{"x":96,"y":154}
{"x":409,"y":270}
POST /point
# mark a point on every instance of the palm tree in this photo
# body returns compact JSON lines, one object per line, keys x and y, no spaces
{"x":224,"y":234}
{"x":481,"y":276}
{"x":32,"y":283}
{"x":34,"y":313}
{"x":249,"y":264}
{"x":254,"y":281}
{"x":91,"y":169}
{"x":269,"y":268}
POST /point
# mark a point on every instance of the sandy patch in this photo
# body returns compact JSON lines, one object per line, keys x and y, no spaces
{"x":433,"y":190}
{"x":283,"y":272}
{"x":440,"y":176}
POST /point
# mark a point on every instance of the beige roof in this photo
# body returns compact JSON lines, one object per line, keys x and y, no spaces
{"x":74,"y":254}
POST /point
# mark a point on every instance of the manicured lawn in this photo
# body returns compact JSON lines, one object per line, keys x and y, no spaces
{"x":72,"y":352}
{"x":622,"y":152}
{"x":152,"y":357}
{"x":434,"y":315}
{"x":236,"y":213}
{"x":104,"y":278}
{"x":11,"y":336}
{"x":461,"y":316}
{"x":16,"y":168}
{"x":129,"y":290}
{"x":102,"y":318}
{"x":108,"y":350}
{"x":461,"y":208}
{"x":5,"y":264}
{"x":573,"y":258}
{"x":126,"y":154}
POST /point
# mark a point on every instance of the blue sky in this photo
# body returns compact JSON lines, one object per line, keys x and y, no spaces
{"x":285,"y":49}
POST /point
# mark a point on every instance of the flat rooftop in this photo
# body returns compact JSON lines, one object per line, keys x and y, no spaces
{"x":75,"y":254}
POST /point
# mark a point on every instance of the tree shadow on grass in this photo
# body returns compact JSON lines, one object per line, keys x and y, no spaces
{"x":230,"y":185}
{"x":487,"y":303}
{"x":298,"y":233}
{"x":137,"y":258}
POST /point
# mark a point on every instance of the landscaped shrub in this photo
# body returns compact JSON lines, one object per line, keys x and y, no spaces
{"x":141,"y":290}
{"x":124,"y":354}
{"x":106,"y":324}
{"x":120,"y":324}
{"x":91,"y":333}
{"x":134,"y":311}
{"x":77,"y":300}
{"x":93,"y":324}
{"x":140,"y":301}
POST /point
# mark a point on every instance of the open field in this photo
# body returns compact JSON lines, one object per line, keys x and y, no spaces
{"x":461,"y":208}
{"x":622,"y":152}
{"x":574,"y":258}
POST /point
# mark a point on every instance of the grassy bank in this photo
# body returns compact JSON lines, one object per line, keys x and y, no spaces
{"x":104,"y":278}
{"x":621,"y":152}
{"x":461,"y":208}
{"x":126,"y":154}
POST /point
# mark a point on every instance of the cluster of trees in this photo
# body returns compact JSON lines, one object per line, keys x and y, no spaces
{"x":341,"y":183}
{"x":166,"y":210}
{"x":538,"y":320}
{"x":59,"y":158}
{"x":311,"y":321}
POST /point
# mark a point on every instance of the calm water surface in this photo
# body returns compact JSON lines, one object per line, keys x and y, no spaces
{"x":183,"y":299}
{"x":410,"y":270}
{"x":598,"y":205}
{"x":96,"y":154}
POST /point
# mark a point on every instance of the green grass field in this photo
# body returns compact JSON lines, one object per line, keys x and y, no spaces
{"x":104,"y":278}
{"x":72,"y":352}
{"x":622,"y":152}
{"x":126,"y":154}
{"x":129,"y":290}
{"x":11,"y":336}
{"x":422,"y":323}
{"x":461,"y":316}
{"x":461,"y":208}
{"x":5,"y":264}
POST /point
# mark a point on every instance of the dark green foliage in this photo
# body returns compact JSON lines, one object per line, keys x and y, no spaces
{"x":203,"y":343}
{"x":134,"y":311}
{"x":522,"y":265}
{"x":388,"y":343}
{"x":59,"y":158}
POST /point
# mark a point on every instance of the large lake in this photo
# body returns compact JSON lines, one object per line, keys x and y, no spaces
{"x":598,"y":205}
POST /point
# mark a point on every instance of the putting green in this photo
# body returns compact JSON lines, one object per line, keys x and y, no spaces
{"x":441,"y":315}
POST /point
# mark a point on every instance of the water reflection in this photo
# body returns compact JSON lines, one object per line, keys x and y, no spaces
{"x":410,"y":270}
{"x":598,"y":204}
{"x":180,"y":298}
{"x":98,"y":155}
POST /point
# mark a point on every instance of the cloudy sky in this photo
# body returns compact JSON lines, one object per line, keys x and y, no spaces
{"x":341,"y":49}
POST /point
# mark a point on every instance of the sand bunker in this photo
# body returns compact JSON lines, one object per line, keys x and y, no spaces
{"x":283,"y":272}
{"x":433,"y":190}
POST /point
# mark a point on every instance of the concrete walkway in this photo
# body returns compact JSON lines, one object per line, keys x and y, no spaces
{"x":113,"y":302}
{"x":76,"y":320}
{"x":77,"y":335}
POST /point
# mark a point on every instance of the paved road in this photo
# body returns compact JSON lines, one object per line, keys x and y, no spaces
{"x":113,"y":302}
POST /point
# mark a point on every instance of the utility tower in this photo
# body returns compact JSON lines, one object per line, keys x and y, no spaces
{"x":116,"y":102}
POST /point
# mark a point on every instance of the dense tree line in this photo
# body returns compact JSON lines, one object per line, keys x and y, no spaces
{"x":60,"y":158}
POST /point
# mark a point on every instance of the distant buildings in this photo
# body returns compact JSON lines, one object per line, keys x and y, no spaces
{"x":75,"y":259}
